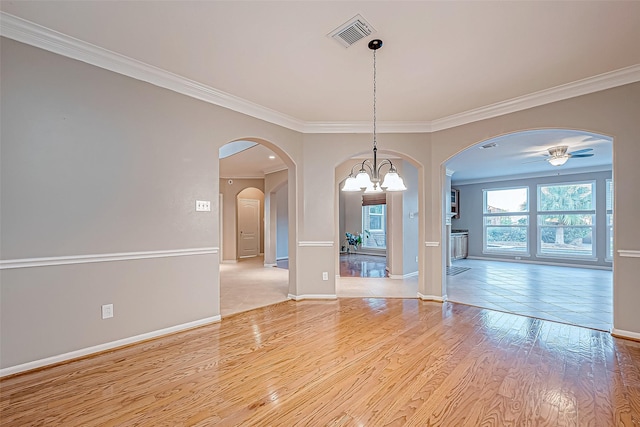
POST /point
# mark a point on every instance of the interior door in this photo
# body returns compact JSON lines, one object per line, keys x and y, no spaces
{"x":248,"y":228}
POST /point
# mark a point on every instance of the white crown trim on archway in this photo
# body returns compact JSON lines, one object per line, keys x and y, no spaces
{"x":36,"y":35}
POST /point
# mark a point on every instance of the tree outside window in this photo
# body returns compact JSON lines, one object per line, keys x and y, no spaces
{"x":566,"y":214}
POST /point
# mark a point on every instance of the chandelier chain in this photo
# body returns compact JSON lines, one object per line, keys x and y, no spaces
{"x":375,"y":142}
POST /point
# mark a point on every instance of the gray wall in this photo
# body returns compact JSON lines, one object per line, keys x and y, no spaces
{"x":471,"y":214}
{"x":93,"y":162}
{"x":282,"y":223}
{"x":410,"y":216}
{"x":104,"y":171}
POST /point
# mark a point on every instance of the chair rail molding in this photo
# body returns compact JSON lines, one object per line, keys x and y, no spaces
{"x":629,"y":253}
{"x":84,"y":259}
{"x":315,"y":243}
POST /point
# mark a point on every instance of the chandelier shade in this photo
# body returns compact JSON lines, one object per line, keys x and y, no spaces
{"x":368,"y":176}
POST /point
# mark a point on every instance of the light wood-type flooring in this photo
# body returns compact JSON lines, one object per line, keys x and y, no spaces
{"x":347,"y":362}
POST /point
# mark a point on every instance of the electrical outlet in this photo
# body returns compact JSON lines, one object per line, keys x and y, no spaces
{"x":203,"y":206}
{"x":325,"y":275}
{"x":107,"y":311}
{"x":416,"y":259}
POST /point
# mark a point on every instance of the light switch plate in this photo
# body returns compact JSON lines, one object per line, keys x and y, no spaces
{"x":203,"y":206}
{"x":107,"y":311}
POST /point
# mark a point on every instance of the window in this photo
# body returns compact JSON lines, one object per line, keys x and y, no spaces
{"x":566,"y":218}
{"x":506,"y":220}
{"x":374,"y":226}
{"x":609,"y":208}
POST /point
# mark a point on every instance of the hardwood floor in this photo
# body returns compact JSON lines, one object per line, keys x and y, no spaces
{"x":350,"y":362}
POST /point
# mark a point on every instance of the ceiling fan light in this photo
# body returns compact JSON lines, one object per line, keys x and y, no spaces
{"x":350,"y":184}
{"x":558,"y":161}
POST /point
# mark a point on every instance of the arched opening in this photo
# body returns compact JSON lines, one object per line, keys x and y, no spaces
{"x":529,"y":225}
{"x":257,"y":189}
{"x":377,"y":249}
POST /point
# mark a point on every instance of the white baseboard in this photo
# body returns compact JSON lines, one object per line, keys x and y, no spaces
{"x":625,"y":334}
{"x":229,"y":261}
{"x":312,"y":296}
{"x":435,"y":298}
{"x":555,"y":264}
{"x":103,"y":347}
{"x":403,"y":276}
{"x":270,"y":265}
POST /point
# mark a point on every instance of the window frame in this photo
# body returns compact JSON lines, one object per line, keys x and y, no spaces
{"x":383,"y":222}
{"x":593,"y":212}
{"x":485,"y":215}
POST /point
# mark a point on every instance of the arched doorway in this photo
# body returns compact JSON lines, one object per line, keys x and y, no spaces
{"x":251,"y":172}
{"x":385,"y":260}
{"x":539,"y":235}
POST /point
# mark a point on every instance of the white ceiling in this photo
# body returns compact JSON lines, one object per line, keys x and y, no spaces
{"x":253,"y":162}
{"x":440,"y":58}
{"x":523,"y":155}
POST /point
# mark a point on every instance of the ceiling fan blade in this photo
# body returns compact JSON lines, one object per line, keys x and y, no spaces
{"x":582,"y":155}
{"x":584,"y":150}
{"x":537,"y":160}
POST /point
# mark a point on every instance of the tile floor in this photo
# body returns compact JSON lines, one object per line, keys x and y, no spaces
{"x":576,"y":296}
{"x":248,"y":284}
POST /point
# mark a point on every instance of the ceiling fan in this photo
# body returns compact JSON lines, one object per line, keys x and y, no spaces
{"x":558,"y":155}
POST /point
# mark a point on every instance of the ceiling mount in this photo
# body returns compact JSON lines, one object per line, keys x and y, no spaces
{"x":375,"y":44}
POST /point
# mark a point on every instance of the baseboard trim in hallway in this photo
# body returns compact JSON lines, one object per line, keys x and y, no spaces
{"x":312,"y":296}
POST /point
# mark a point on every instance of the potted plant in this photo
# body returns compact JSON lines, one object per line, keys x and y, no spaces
{"x":353,"y":240}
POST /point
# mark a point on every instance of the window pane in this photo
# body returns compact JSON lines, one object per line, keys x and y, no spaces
{"x":375,"y":223}
{"x":560,"y":220}
{"x":566,"y":197}
{"x":609,"y":195}
{"x":510,"y":200}
{"x":511,"y":239}
{"x":374,"y":226}
{"x":506,"y":220}
{"x":566,"y":241}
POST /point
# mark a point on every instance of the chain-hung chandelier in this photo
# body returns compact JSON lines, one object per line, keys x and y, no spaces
{"x":368,"y":177}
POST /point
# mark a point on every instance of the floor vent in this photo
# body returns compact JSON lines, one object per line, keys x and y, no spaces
{"x":352,"y":31}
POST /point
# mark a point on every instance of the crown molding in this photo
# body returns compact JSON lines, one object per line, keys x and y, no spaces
{"x":36,"y":35}
{"x":586,"y":86}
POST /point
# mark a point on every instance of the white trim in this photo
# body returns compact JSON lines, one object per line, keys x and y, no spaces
{"x":270,"y":265}
{"x":555,"y":264}
{"x":312,"y":296}
{"x":106,"y":346}
{"x":541,"y":174}
{"x":84,"y":259}
{"x":625,"y":334}
{"x":432,"y":244}
{"x":402,"y":276}
{"x":435,"y":298}
{"x":315,"y":244}
{"x":585,"y":86}
{"x":36,"y":35}
{"x":229,"y":261}
{"x":629,"y":253}
{"x":53,"y":41}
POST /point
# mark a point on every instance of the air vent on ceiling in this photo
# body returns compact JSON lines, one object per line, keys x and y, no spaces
{"x":352,"y":31}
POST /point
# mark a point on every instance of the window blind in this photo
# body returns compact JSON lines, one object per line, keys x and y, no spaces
{"x":374,"y":199}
